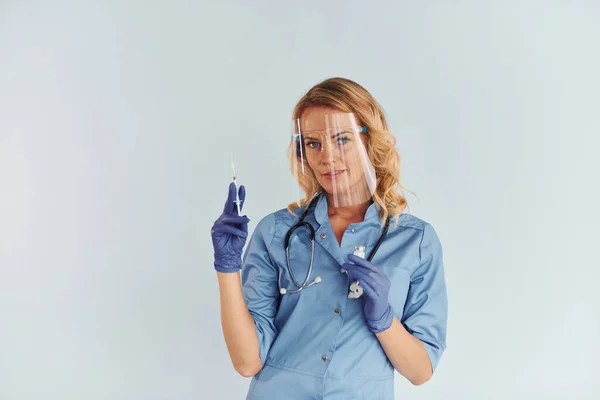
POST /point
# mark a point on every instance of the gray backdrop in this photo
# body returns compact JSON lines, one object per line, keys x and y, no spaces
{"x":117,"y":124}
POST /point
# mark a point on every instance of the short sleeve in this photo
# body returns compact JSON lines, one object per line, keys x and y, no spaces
{"x":260,"y":284}
{"x":426,"y":309}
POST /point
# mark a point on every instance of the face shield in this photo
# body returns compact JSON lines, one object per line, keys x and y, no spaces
{"x":330,"y":148}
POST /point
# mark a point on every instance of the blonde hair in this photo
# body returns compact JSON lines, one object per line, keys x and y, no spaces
{"x":347,"y":96}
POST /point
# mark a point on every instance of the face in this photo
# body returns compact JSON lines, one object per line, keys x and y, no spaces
{"x":334,"y":148}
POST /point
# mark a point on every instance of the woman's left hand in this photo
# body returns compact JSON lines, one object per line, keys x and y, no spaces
{"x":376,"y":286}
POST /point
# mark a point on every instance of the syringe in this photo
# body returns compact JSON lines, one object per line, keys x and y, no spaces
{"x":237,"y":195}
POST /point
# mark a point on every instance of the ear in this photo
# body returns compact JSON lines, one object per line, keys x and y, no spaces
{"x":300,"y":150}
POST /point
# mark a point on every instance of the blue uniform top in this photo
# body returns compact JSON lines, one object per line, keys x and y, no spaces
{"x":315,"y":344}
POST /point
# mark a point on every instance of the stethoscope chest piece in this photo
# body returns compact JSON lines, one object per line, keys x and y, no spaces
{"x":355,"y":291}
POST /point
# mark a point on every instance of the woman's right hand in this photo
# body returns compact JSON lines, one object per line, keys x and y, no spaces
{"x":229,"y":233}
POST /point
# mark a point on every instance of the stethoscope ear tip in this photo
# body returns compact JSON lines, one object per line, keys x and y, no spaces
{"x":318,"y":279}
{"x":283,"y":290}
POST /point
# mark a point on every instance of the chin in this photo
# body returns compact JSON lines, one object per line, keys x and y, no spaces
{"x":326,"y":185}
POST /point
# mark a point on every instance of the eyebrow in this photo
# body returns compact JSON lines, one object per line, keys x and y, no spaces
{"x":344,"y":132}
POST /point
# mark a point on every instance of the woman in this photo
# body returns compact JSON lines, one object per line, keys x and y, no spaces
{"x":304,"y":337}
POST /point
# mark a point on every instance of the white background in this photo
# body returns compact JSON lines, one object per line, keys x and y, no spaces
{"x":117,"y":124}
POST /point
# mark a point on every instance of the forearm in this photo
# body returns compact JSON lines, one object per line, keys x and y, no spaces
{"x":238,"y":326}
{"x":406,"y":353}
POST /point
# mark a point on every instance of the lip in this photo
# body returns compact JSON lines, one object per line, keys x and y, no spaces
{"x":334,"y":175}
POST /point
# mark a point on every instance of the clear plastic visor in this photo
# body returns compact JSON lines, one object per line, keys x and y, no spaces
{"x":330,"y":148}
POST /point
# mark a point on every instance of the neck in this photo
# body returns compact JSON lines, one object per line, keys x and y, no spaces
{"x":353,"y":212}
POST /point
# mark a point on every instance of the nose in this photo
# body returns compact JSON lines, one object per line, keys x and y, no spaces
{"x":329,"y":152}
{"x":329,"y":156}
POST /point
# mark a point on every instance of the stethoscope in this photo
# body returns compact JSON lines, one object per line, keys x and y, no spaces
{"x":302,"y":223}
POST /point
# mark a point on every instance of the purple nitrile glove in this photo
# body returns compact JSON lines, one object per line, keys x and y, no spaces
{"x":376,"y":286}
{"x":229,"y":234}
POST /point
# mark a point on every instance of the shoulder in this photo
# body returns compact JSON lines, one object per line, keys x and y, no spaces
{"x":268,"y":224}
{"x":410,"y":221}
{"x":423,"y":229}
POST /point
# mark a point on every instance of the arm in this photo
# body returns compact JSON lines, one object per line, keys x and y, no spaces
{"x":415,"y":346}
{"x":249,"y":306}
{"x":248,"y":310}
{"x":238,"y":326}
{"x":406,"y":353}
{"x":260,"y":287}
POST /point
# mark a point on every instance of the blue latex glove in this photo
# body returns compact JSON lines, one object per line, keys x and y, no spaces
{"x":376,"y":285}
{"x":229,"y":234}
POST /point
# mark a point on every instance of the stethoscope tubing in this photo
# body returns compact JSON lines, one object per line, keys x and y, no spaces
{"x":302,"y":223}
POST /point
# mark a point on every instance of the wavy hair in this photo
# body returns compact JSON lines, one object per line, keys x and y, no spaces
{"x":348,"y":96}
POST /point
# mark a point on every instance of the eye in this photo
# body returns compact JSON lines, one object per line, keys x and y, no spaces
{"x":343,"y":139}
{"x":312,"y":144}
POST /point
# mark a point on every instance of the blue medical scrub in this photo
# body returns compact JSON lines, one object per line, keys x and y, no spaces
{"x":315,"y":344}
